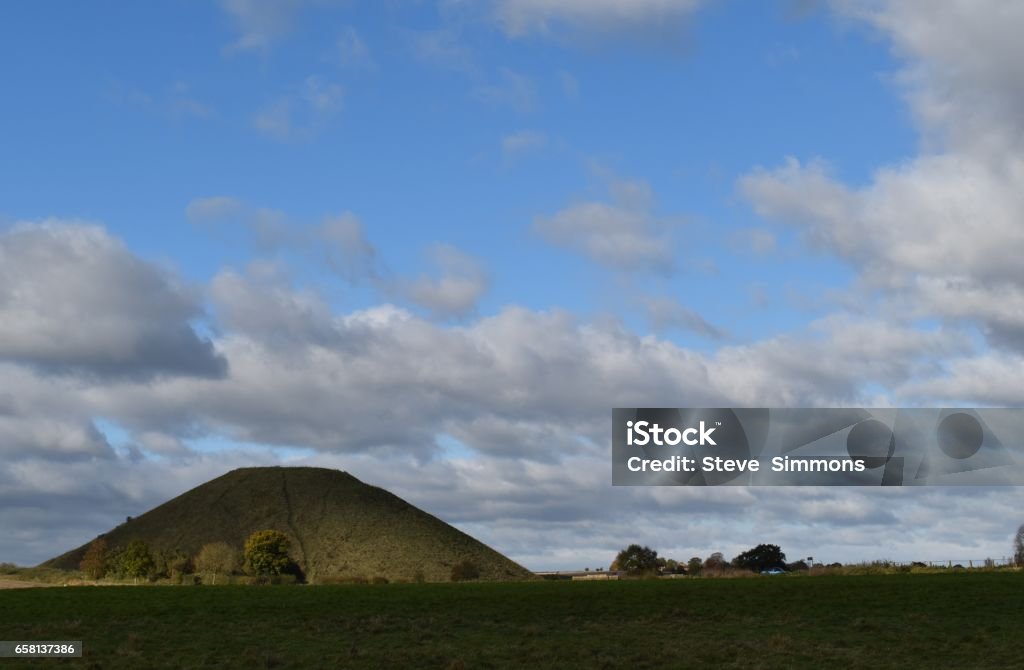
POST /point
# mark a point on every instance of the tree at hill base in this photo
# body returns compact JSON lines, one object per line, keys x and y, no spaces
{"x":216,"y":558}
{"x":266,"y":553}
{"x":1018,"y":547}
{"x":94,"y":563}
{"x":136,"y":560}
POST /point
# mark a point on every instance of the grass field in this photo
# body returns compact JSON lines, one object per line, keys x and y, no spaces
{"x":966,"y":620}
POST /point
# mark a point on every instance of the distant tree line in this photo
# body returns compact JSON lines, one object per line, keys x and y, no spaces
{"x":639,"y":561}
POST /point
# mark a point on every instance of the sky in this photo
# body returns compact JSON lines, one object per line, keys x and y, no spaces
{"x":434,"y":242}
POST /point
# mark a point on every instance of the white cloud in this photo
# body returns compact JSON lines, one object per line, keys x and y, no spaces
{"x":526,"y":392}
{"x":73,"y":298}
{"x":937,"y":235}
{"x":970,"y":98}
{"x":462,"y":281}
{"x":623,"y":234}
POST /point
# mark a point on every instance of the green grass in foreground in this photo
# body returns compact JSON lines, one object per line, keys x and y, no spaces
{"x":910,"y":621}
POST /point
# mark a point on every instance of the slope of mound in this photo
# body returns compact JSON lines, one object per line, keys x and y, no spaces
{"x":339,"y":527}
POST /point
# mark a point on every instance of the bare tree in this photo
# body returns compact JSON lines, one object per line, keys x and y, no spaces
{"x":1018,"y":547}
{"x":216,"y":558}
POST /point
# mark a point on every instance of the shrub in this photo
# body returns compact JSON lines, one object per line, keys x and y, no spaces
{"x":341,"y":579}
{"x":266,"y":552}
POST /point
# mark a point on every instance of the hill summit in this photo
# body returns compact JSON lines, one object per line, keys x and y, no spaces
{"x":339,"y":527}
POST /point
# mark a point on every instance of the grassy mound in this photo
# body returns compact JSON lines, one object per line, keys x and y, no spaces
{"x":340,"y":528}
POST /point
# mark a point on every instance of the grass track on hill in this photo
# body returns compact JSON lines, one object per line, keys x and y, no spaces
{"x":898,"y":621}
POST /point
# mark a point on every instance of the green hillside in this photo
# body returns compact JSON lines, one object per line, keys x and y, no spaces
{"x":339,"y":527}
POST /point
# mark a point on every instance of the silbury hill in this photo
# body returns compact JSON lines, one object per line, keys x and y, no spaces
{"x":339,"y":527}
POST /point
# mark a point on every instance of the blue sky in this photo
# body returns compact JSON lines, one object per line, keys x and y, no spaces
{"x":506,"y":216}
{"x":125,"y":116}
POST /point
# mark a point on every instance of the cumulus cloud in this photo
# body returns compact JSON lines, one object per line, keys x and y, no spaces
{"x":937,"y":235}
{"x":73,"y":299}
{"x":376,"y":391}
{"x":623,"y":234}
{"x":379,"y":391}
{"x":313,"y":382}
{"x":940,"y":216}
{"x":455,"y":291}
{"x":262,"y":304}
{"x":35,"y":419}
{"x":969,"y":98}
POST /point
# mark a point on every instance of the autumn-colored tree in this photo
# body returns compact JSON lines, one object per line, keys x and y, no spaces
{"x":266,"y":552}
{"x":715,"y":561}
{"x":94,"y":562}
